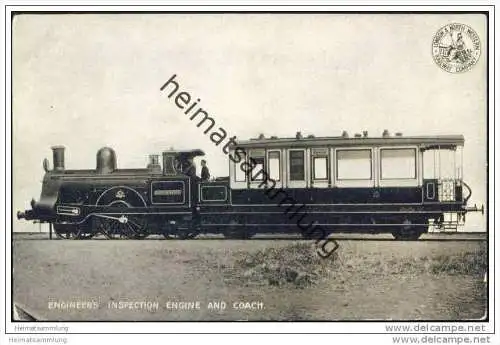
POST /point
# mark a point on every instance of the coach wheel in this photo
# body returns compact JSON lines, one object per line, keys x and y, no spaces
{"x":409,"y":235}
{"x":237,"y":234}
{"x":408,"y":232}
{"x":233,"y":231}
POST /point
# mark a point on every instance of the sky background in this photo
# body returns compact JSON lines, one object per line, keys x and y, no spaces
{"x":93,"y":80}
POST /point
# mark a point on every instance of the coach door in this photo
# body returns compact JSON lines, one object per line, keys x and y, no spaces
{"x":320,"y":168}
{"x":275,"y":167}
{"x":296,"y":168}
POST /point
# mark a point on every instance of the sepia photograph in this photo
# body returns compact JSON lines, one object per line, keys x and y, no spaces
{"x":245,"y":166}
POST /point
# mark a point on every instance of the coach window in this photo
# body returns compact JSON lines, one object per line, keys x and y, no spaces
{"x":274,"y":165}
{"x":239,"y":174}
{"x":398,"y":164}
{"x":354,"y":164}
{"x":258,"y":159}
{"x":320,"y":164}
{"x":297,"y":166}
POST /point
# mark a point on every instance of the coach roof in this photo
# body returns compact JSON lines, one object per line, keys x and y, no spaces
{"x":425,"y":142}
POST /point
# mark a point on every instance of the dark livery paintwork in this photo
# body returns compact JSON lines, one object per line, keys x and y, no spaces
{"x":134,"y":203}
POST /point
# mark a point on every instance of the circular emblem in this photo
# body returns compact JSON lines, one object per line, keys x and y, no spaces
{"x":120,"y":194}
{"x":456,"y":48}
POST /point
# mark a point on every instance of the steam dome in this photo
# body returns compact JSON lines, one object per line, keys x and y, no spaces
{"x":106,"y":160}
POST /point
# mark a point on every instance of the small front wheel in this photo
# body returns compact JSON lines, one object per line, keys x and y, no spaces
{"x":65,"y":231}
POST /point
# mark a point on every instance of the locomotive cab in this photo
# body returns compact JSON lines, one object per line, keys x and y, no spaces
{"x":180,"y":162}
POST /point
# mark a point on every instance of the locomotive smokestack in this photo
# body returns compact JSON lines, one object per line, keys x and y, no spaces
{"x":58,"y":157}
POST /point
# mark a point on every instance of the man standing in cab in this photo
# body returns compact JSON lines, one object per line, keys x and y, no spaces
{"x":205,"y":174}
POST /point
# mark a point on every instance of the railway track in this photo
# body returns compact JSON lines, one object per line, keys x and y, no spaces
{"x":429,"y":237}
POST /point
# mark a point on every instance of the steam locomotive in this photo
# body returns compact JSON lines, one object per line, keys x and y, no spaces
{"x":387,"y":184}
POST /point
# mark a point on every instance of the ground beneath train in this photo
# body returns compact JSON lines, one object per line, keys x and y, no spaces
{"x":265,"y":279}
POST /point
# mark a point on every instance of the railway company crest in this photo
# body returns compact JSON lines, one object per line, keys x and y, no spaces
{"x":456,"y":48}
{"x":120,"y":194}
